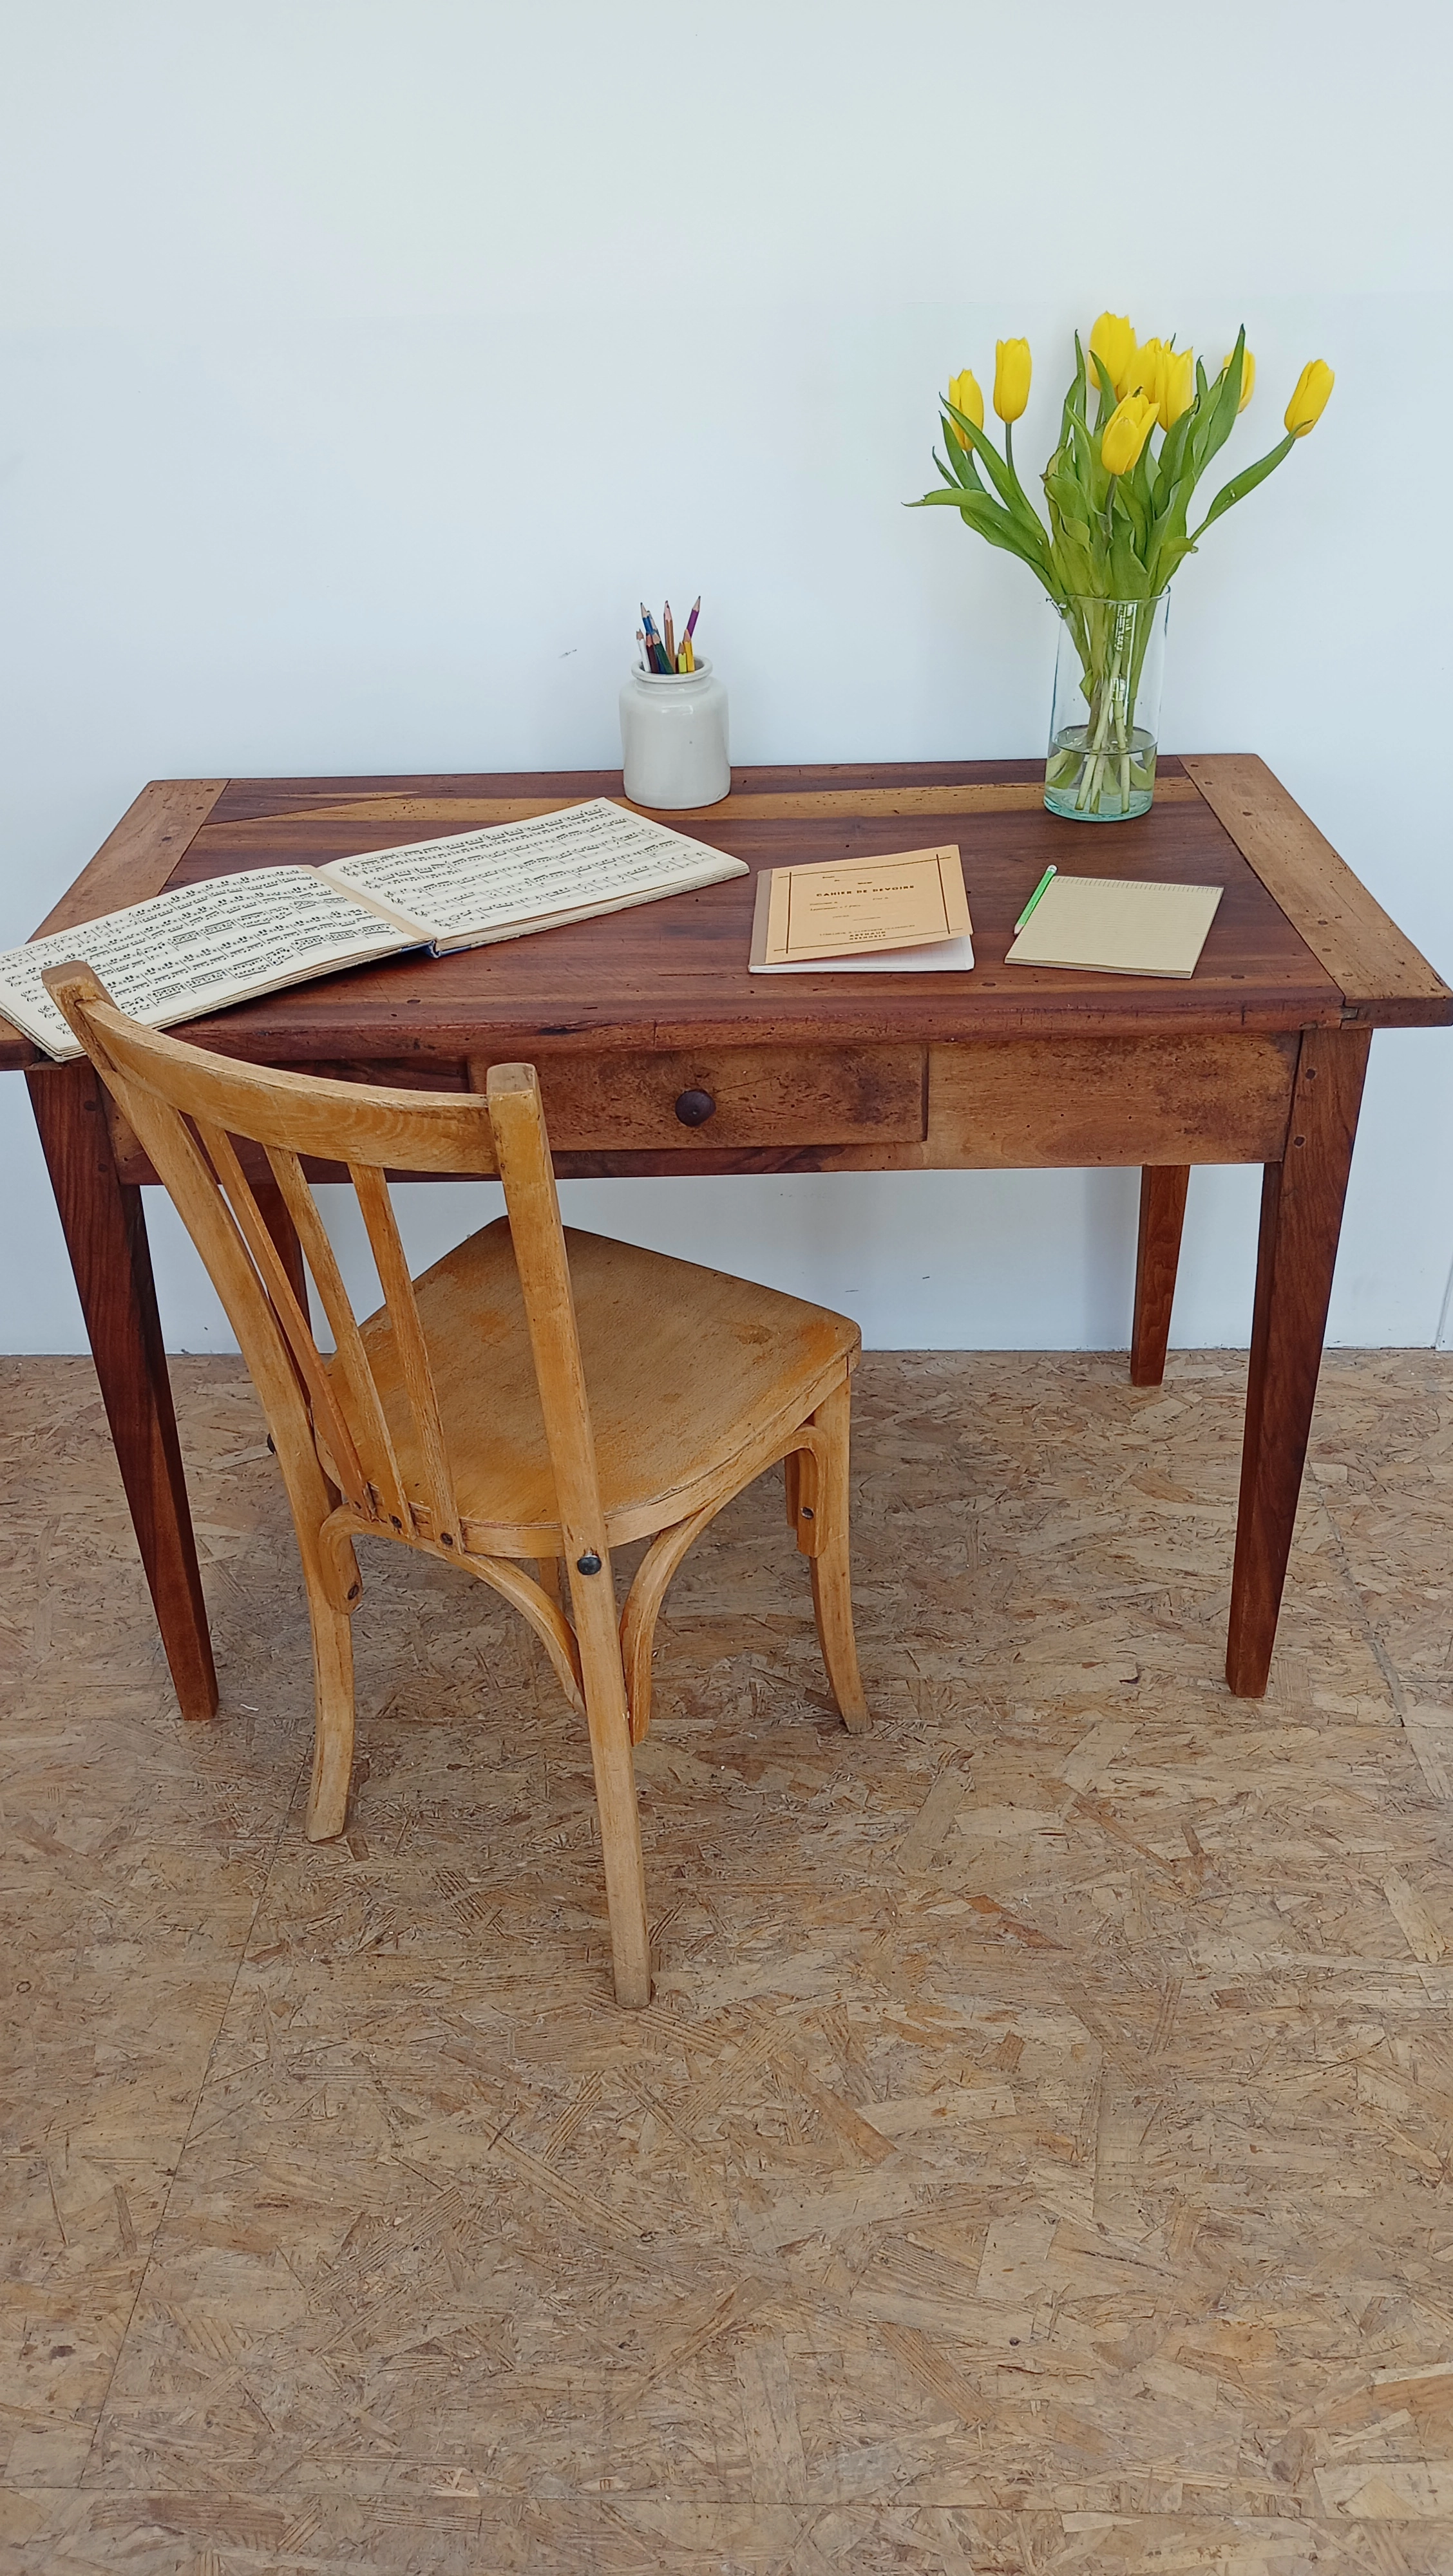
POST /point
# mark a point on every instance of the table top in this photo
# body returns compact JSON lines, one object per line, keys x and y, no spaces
{"x":1297,"y":941}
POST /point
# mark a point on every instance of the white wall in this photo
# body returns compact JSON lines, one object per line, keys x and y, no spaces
{"x":364,"y":365}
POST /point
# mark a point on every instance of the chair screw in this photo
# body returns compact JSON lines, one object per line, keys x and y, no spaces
{"x":588,"y":1564}
{"x":807,"y":1512}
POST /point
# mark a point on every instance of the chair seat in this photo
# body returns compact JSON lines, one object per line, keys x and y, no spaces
{"x":685,"y":1370}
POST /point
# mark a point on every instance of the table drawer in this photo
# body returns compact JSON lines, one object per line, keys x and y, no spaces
{"x":1020,"y":1103}
{"x":731,"y":1097}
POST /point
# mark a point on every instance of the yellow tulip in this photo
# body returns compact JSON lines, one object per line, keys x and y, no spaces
{"x":1112,"y":341}
{"x":964,"y":394}
{"x":1150,"y":370}
{"x":1248,"y":375}
{"x":1176,"y":385}
{"x":1309,"y":397}
{"x":1126,"y":431}
{"x":1145,"y":368}
{"x":1012,"y":367}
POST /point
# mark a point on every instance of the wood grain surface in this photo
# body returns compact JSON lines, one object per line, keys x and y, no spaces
{"x":1034,"y":2159}
{"x":1023,"y":1103}
{"x":140,"y":856}
{"x":1008,"y":1105}
{"x":757,"y":805}
{"x":1343,"y":925}
{"x":674,"y":974}
{"x":760,"y":1096}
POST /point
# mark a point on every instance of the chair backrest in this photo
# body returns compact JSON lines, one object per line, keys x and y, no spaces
{"x":190,"y":1109}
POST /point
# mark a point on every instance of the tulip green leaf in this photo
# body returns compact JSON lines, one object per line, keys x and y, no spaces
{"x":960,"y":468}
{"x":1130,"y":504}
{"x":1075,"y":396}
{"x":1240,"y":484}
{"x":960,"y":429}
{"x":1105,"y":387}
{"x":1066,"y":496}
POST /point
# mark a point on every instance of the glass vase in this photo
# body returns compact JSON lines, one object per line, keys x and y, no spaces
{"x":1105,"y":718}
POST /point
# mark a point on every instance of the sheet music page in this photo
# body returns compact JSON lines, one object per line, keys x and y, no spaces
{"x":513,"y":877}
{"x":200,"y":948}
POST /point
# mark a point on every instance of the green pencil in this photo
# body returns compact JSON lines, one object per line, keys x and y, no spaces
{"x":1034,"y":898}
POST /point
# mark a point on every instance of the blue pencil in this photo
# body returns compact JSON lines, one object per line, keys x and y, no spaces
{"x":657,"y":649}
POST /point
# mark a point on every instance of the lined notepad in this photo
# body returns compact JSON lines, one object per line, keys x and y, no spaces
{"x":1117,"y":927}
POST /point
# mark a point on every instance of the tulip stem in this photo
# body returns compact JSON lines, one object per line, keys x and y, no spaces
{"x":1109,"y":735}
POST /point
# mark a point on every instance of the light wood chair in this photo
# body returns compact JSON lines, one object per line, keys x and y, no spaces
{"x":535,"y":1396}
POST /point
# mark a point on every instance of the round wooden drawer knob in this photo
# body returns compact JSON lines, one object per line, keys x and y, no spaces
{"x":693,"y":1108}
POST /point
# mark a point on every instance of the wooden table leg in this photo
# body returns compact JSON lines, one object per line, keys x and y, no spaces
{"x":1301,"y":1219}
{"x":1162,"y":1214}
{"x":105,"y":1233}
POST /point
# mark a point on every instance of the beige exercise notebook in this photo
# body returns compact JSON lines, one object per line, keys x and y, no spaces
{"x":907,"y":909}
{"x":1117,"y":927}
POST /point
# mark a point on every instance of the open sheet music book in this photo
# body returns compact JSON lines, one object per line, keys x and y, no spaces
{"x":200,"y":948}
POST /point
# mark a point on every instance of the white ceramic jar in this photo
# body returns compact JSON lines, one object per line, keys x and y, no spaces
{"x":674,"y":738}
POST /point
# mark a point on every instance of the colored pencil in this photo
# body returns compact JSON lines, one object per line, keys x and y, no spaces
{"x":661,"y":653}
{"x":1039,"y":891}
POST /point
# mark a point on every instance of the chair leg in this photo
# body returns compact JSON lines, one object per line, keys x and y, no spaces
{"x":602,"y":1673}
{"x":330,"y":1574}
{"x":832,"y":1595}
{"x":333,"y":1721}
{"x":643,"y":1609}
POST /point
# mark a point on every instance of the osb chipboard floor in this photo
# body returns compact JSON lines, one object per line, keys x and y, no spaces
{"x":1036,"y":2157}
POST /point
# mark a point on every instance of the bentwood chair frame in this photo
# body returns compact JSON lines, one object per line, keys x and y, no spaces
{"x":333,"y":1436}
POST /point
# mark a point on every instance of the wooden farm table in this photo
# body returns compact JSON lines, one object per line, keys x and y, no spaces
{"x":646,"y":1021}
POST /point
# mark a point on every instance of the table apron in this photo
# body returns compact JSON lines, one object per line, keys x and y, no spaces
{"x":989,"y":1105}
